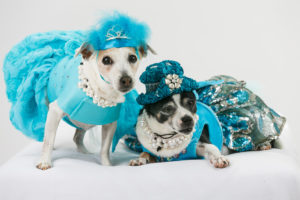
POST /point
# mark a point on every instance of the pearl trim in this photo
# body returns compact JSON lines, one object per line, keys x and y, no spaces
{"x":84,"y":84}
{"x":157,"y":141}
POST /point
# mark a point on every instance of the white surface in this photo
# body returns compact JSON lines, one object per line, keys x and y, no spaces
{"x":269,"y":175}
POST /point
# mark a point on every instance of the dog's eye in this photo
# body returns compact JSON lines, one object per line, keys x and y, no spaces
{"x":107,"y":60}
{"x":132,"y":58}
{"x":190,"y":102}
{"x":168,"y":110}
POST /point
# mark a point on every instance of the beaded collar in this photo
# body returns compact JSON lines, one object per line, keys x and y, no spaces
{"x":166,"y":141}
{"x":86,"y":86}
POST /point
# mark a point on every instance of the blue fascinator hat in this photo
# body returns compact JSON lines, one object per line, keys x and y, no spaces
{"x":165,"y":79}
{"x":118,"y":30}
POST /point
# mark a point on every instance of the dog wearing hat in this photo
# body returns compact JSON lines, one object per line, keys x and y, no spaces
{"x":181,"y":119}
{"x":172,"y":125}
{"x":82,"y":77}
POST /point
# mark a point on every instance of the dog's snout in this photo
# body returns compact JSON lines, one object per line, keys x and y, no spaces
{"x":187,"y":124}
{"x":187,"y":120}
{"x":125,"y":83}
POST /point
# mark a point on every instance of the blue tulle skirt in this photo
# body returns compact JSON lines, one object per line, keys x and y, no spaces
{"x":26,"y":72}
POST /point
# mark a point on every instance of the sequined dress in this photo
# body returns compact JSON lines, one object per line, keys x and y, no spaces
{"x":247,"y":122}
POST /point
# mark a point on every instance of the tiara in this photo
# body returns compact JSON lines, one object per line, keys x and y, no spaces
{"x":115,"y":34}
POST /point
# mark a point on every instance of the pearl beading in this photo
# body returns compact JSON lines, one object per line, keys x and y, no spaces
{"x":157,"y":141}
{"x":173,"y":81}
{"x":84,"y":84}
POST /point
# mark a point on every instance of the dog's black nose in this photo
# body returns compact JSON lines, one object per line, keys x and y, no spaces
{"x":187,"y":124}
{"x":187,"y":121}
{"x":125,"y":83}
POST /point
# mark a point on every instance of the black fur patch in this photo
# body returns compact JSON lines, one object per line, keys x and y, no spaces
{"x":154,"y":109}
{"x":205,"y":135}
{"x":141,"y":111}
{"x":188,"y":101}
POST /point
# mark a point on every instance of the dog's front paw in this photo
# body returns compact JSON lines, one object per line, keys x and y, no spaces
{"x":264,"y":146}
{"x":219,"y":162}
{"x":43,"y":165}
{"x":138,"y":162}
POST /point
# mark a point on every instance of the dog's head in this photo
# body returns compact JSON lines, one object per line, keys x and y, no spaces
{"x":176,"y":113}
{"x":117,"y":66}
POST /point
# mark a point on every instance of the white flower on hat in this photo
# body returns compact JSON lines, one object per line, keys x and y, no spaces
{"x":173,"y":81}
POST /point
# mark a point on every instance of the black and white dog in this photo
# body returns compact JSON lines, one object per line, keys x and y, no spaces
{"x":176,"y":118}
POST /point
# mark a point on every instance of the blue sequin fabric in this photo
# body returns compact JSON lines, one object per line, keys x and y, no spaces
{"x":247,"y":122}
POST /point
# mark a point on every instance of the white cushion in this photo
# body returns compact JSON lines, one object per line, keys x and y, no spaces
{"x":263,"y":175}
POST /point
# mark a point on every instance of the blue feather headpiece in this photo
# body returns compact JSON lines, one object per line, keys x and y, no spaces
{"x":118,"y":30}
{"x":165,"y":79}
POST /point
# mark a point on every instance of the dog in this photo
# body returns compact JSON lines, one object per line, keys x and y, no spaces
{"x":82,"y":77}
{"x":118,"y":66}
{"x":174,"y":117}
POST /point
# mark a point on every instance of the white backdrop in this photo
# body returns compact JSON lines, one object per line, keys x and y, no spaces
{"x":257,"y":41}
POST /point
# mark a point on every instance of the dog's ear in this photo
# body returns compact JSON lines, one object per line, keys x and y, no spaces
{"x":85,"y":50}
{"x":143,"y":51}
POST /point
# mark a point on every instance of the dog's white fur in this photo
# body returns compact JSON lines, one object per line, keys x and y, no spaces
{"x":209,"y":151}
{"x":110,"y":92}
{"x":212,"y":153}
{"x":144,"y":139}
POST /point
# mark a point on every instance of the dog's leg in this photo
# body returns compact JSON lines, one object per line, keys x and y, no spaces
{"x":264,"y":146}
{"x":78,"y":139}
{"x":144,"y":159}
{"x":212,"y":153}
{"x":53,"y":118}
{"x":108,"y":131}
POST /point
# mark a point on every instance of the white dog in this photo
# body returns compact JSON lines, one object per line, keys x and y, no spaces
{"x":118,"y":66}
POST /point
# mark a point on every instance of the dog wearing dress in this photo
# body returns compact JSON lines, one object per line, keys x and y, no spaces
{"x":166,"y":129}
{"x":172,"y":125}
{"x":184,"y":119}
{"x":82,"y":77}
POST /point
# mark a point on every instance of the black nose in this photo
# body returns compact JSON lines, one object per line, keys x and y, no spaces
{"x":125,"y":83}
{"x":187,"y":121}
{"x":187,"y":124}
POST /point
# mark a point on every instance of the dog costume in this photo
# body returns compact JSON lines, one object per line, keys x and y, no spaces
{"x":42,"y":69}
{"x":245,"y":120}
{"x":165,"y":79}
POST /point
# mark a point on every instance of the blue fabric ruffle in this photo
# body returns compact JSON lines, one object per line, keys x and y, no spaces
{"x":26,"y":72}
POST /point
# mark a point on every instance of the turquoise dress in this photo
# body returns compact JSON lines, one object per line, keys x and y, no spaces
{"x":63,"y":87}
{"x":42,"y":69}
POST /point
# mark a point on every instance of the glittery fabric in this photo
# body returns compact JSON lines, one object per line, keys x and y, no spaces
{"x":247,"y":122}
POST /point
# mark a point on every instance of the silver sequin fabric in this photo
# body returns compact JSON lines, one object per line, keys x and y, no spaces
{"x":247,"y":122}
